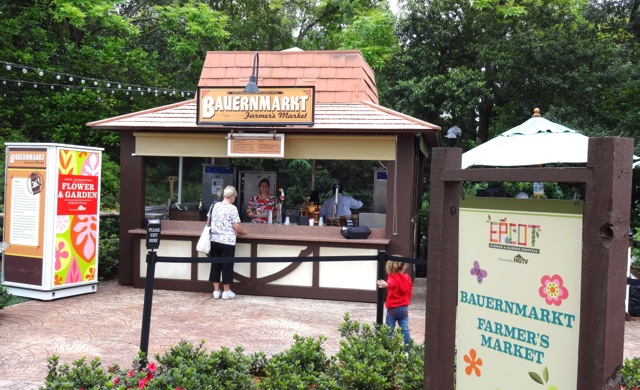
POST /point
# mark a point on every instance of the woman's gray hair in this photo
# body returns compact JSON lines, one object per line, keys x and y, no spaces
{"x":230,"y":191}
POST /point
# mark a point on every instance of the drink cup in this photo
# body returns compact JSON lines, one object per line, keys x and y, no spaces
{"x":286,"y":221}
{"x":311,"y":221}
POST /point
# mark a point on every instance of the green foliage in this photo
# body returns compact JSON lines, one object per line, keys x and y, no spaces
{"x":80,"y":374}
{"x":630,"y":373}
{"x":5,"y":297}
{"x":372,"y":34}
{"x":368,"y":359}
{"x":298,"y":367}
{"x":186,"y":367}
{"x":108,"y":246}
{"x":484,"y":65}
{"x":109,"y":184}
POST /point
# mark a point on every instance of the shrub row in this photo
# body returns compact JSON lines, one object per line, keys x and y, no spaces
{"x":367,"y":359}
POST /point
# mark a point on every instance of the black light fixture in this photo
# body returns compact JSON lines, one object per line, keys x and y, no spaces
{"x":252,"y":85}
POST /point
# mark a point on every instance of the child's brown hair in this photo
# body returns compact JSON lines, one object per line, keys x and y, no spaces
{"x":393,"y":267}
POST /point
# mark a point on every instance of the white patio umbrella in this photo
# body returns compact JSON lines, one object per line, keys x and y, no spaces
{"x":536,"y":141}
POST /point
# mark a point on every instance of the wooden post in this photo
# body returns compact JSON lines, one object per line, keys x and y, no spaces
{"x":604,"y":262}
{"x":442,"y":278}
{"x":171,"y":181}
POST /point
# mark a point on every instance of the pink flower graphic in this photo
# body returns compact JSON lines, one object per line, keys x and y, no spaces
{"x":552,"y":290}
{"x":73,"y":275}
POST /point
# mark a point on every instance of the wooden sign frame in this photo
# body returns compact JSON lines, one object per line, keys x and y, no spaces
{"x":607,"y":177}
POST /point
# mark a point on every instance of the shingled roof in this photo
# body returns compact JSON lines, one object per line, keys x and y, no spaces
{"x":339,"y":76}
{"x":346,"y":97}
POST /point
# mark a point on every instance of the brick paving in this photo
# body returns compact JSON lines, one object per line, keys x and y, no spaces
{"x":107,"y":324}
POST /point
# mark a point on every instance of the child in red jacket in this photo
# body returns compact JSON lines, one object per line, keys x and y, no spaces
{"x":399,"y":290}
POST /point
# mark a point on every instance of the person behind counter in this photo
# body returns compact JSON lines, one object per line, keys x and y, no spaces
{"x":224,"y":220}
{"x":259,"y":206}
{"x":344,"y":207}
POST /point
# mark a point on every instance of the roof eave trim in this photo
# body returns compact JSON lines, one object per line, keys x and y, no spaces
{"x":404,"y":116}
{"x":138,"y":113}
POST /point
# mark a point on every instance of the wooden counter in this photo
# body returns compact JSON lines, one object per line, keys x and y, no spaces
{"x":260,"y":231}
{"x":340,"y":280}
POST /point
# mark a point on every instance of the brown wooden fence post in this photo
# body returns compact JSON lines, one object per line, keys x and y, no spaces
{"x":604,"y":262}
{"x":442,"y":278}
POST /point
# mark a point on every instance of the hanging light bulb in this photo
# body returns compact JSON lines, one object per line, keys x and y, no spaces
{"x":129,"y":88}
{"x":8,"y":67}
{"x":82,"y":81}
{"x":141,"y":93}
{"x":57,"y":77}
{"x":70,"y":78}
{"x":95,"y":82}
{"x":67,"y":88}
{"x":108,"y":84}
{"x":24,"y":70}
{"x":52,"y":87}
{"x":19,"y":84}
{"x":35,"y":85}
{"x":119,"y":85}
{"x":40,"y":73}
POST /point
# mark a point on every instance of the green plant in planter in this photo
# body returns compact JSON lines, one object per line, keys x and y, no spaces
{"x":5,"y":297}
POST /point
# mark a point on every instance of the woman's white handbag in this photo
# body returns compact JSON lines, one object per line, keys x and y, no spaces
{"x":204,"y":244}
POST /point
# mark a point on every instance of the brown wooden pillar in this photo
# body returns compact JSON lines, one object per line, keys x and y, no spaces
{"x":604,"y":262}
{"x":131,"y":203}
{"x":401,"y":197}
{"x":442,"y":278}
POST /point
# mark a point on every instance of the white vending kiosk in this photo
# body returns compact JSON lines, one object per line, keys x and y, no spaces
{"x":51,"y":223}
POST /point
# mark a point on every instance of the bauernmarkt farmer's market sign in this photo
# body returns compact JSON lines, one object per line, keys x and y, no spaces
{"x":270,"y":106}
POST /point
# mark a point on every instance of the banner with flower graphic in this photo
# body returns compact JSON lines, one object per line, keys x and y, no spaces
{"x":77,"y":217}
{"x":519,"y":278}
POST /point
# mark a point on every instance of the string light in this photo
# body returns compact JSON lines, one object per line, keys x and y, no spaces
{"x":97,"y":84}
{"x":67,"y":87}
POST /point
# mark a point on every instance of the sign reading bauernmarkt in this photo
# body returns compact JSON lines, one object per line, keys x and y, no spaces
{"x":270,"y":106}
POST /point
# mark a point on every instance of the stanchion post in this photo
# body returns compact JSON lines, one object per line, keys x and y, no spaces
{"x":382,"y":256}
{"x":152,"y":258}
{"x":153,"y":243}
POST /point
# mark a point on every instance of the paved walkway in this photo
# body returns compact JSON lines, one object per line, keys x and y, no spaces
{"x":107,"y":324}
